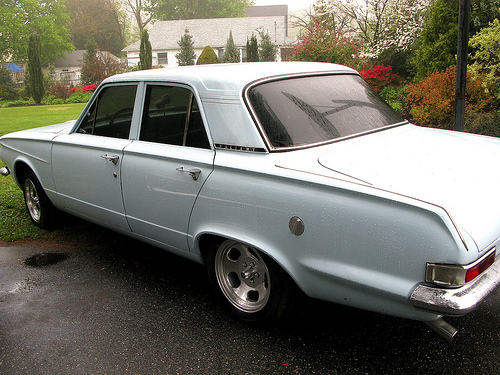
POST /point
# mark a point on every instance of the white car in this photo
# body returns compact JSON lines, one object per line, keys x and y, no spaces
{"x":277,"y":176}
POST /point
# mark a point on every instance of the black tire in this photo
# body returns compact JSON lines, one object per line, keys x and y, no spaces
{"x":40,"y":208}
{"x":250,"y":285}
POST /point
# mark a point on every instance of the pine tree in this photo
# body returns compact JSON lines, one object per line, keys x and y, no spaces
{"x":267,"y":50}
{"x":145,"y":52}
{"x":252,"y":49}
{"x":232,"y":54}
{"x":208,"y":56}
{"x":35,"y":74}
{"x":92,"y":68}
{"x":186,"y":56}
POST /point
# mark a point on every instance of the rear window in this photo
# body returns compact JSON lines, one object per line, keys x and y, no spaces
{"x":307,"y":110}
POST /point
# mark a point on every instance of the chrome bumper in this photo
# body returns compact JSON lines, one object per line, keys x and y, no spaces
{"x":4,"y":171}
{"x":457,"y":301}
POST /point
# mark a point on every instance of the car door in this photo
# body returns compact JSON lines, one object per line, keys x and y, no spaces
{"x":87,"y":162}
{"x":164,"y":170}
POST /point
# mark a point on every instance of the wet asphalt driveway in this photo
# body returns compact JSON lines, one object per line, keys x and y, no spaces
{"x":123,"y":307}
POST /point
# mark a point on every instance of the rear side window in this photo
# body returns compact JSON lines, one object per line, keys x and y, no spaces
{"x":111,"y":114}
{"x":172,"y":116}
{"x":307,"y":110}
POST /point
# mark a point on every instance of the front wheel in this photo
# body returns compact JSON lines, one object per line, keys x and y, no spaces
{"x":250,"y":284}
{"x":40,"y":208}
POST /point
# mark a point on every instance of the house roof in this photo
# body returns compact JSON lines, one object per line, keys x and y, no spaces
{"x":70,"y":59}
{"x":214,"y":32}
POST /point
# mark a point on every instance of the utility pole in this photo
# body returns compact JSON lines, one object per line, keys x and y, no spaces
{"x":462,"y":52}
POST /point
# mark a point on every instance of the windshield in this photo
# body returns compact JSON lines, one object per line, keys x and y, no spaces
{"x":301,"y":111}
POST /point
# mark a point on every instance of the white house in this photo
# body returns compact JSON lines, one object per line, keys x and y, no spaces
{"x":214,"y":32}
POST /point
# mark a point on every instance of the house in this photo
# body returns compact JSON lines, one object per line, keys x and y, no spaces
{"x":69,"y":67}
{"x":214,"y":32}
{"x":16,"y":72}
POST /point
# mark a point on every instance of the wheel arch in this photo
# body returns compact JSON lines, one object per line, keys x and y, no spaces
{"x":208,"y":240}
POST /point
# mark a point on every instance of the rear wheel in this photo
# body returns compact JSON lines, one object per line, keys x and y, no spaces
{"x":40,"y":208}
{"x":250,"y":284}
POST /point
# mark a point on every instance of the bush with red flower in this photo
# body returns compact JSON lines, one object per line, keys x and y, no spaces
{"x":381,"y":76}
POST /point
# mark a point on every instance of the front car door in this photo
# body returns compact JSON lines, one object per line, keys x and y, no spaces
{"x":87,"y":162}
{"x":164,"y":170}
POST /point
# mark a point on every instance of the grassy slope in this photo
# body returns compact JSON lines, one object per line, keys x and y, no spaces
{"x":14,"y":220}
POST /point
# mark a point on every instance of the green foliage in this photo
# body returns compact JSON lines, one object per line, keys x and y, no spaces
{"x":183,"y":10}
{"x":100,"y":20}
{"x":432,"y":100}
{"x":186,"y":56}
{"x":35,"y":74}
{"x":20,"y":19}
{"x":486,"y":58}
{"x":438,"y":46}
{"x":208,"y":56}
{"x":8,"y":89}
{"x":145,"y":52}
{"x":394,"y":96}
{"x":252,"y":49}
{"x":267,"y":49}
{"x":324,"y":45}
{"x":231,"y":53}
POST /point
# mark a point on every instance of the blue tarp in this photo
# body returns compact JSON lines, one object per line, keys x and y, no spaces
{"x":14,"y":68}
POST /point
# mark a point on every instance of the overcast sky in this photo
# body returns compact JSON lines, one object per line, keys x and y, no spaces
{"x":292,"y":4}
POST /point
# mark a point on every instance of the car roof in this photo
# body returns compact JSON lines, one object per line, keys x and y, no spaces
{"x":229,"y":79}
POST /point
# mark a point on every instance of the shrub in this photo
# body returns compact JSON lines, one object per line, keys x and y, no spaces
{"x":79,"y":97}
{"x":394,"y":96}
{"x":60,"y":90}
{"x":381,"y":76}
{"x":8,"y":89}
{"x":208,"y":56}
{"x":432,"y":101}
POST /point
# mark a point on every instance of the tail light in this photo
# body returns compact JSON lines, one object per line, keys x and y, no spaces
{"x":455,"y":275}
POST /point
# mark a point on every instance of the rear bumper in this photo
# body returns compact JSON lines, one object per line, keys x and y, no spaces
{"x":457,"y":301}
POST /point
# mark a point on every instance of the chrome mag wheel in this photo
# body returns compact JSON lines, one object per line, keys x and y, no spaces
{"x":243,"y":276}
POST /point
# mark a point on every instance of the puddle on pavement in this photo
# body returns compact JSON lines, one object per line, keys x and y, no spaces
{"x":45,"y":259}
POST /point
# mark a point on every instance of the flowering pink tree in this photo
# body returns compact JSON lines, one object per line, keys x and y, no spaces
{"x":321,"y":44}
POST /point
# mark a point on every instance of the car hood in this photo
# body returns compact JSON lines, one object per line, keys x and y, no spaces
{"x":456,"y":171}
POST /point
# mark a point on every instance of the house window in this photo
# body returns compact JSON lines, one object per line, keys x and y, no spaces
{"x":163,"y":58}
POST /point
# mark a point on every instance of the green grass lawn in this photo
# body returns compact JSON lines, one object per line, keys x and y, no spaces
{"x":19,"y":118}
{"x":15,"y":223}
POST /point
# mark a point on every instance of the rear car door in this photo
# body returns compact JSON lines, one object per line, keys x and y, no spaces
{"x":87,"y":162}
{"x":164,"y":170}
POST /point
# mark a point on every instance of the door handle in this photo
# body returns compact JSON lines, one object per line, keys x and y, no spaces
{"x":194,"y":173}
{"x":111,"y":158}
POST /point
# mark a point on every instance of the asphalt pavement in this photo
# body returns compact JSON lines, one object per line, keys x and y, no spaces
{"x":116,"y":306}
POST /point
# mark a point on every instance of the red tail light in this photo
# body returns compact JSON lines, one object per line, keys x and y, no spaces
{"x":479,"y":268}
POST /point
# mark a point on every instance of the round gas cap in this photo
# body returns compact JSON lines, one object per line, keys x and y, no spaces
{"x":296,"y":225}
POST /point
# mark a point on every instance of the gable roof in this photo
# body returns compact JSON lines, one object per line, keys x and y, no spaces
{"x":214,"y":32}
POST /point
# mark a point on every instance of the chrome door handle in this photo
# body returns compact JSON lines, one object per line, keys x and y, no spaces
{"x":111,"y":158}
{"x":194,"y":173}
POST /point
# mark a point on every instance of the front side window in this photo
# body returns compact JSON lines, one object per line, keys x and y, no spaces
{"x":308,"y":110}
{"x":111,"y":114}
{"x":172,"y":116}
